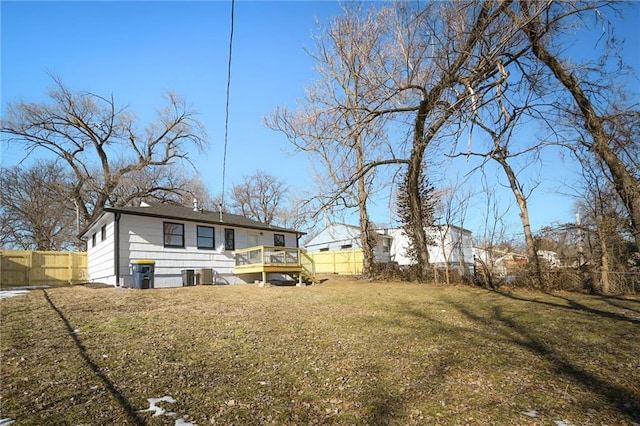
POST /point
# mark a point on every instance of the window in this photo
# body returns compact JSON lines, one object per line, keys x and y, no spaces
{"x":206,"y":237}
{"x":278,"y":240}
{"x":103,"y":232}
{"x":385,"y":245}
{"x":93,"y":240}
{"x":229,"y":239}
{"x":346,"y":246}
{"x":324,"y":249}
{"x":173,"y":234}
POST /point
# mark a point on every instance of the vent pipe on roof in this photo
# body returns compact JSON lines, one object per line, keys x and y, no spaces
{"x":195,"y":204}
{"x":220,"y":210}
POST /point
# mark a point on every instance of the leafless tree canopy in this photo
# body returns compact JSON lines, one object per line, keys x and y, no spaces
{"x":112,"y":160}
{"x":397,"y":81}
{"x":260,"y":197}
{"x":36,"y":208}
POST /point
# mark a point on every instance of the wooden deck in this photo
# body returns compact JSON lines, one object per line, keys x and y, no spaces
{"x":272,"y":259}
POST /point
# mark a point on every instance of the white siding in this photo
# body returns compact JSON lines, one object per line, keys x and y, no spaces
{"x":142,"y":238}
{"x":100,"y":259}
{"x":452,"y":244}
{"x":335,"y":237}
{"x":346,"y":237}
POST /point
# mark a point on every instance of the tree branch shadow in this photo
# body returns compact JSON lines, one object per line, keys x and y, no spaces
{"x":623,"y":400}
{"x":571,"y":304}
{"x":124,"y":402}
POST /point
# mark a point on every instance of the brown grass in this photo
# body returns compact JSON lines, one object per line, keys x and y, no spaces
{"x":342,"y":352}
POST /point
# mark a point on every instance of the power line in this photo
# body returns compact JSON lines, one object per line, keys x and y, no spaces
{"x":226,"y":119}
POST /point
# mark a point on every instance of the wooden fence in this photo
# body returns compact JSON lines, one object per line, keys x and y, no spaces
{"x":30,"y":268}
{"x":348,"y":262}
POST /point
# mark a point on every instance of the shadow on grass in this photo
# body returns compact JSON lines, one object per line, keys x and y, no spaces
{"x":625,"y":401}
{"x":124,"y":403}
{"x":571,"y":304}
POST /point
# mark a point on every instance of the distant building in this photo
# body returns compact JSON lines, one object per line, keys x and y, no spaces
{"x":453,"y":245}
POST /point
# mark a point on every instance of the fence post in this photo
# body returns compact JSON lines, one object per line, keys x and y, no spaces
{"x":30,"y":267}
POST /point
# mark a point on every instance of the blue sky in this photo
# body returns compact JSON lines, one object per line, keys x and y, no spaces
{"x":139,"y":50}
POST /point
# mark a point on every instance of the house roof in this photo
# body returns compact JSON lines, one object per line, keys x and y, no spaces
{"x":175,"y":212}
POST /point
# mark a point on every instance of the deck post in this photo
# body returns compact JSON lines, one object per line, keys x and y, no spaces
{"x":264,"y":277}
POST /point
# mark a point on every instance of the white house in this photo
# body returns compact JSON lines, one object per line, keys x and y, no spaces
{"x":452,"y":244}
{"x":340,"y":236}
{"x":176,"y":238}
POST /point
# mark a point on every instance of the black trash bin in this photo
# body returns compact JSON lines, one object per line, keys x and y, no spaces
{"x":142,"y":272}
{"x":188,"y":277}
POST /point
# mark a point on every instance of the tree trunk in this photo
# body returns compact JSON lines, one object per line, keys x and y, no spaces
{"x":532,"y":252}
{"x":414,"y":174}
{"x":605,"y":279}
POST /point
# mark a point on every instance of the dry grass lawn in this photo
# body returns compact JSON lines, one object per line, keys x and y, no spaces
{"x":341,"y":353}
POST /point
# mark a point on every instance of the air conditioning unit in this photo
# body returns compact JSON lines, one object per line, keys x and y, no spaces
{"x":204,"y":276}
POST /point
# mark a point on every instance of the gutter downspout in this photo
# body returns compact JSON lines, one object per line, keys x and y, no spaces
{"x":116,"y":247}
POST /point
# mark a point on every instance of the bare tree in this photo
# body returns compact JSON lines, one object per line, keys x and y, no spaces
{"x":424,"y":67}
{"x":259,"y":197}
{"x":102,"y":146}
{"x":37,"y":211}
{"x":331,"y":124}
{"x":451,"y":208}
{"x":602,"y":109}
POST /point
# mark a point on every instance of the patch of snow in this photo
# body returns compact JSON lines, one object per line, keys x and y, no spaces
{"x":159,"y":411}
{"x":153,"y":407}
{"x":531,"y":413}
{"x":5,"y":294}
{"x":5,"y":422}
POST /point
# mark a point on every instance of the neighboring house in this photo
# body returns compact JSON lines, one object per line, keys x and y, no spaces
{"x":452,"y":244}
{"x":179,"y":238}
{"x":509,"y":262}
{"x":551,"y":258}
{"x":340,"y":236}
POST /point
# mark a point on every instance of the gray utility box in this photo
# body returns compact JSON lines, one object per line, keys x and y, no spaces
{"x":142,"y":272}
{"x":188,"y":277}
{"x":204,"y":276}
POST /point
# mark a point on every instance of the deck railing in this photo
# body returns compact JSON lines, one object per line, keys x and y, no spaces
{"x":266,"y":259}
{"x":268,"y":256}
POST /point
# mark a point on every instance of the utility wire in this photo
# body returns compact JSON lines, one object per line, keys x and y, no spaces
{"x":226,"y":119}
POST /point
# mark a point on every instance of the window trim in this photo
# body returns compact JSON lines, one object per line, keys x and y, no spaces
{"x":164,"y":234}
{"x":103,"y":233}
{"x":213,"y":238}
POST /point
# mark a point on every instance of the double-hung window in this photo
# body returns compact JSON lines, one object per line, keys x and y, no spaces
{"x":173,"y":234}
{"x":206,"y":238}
